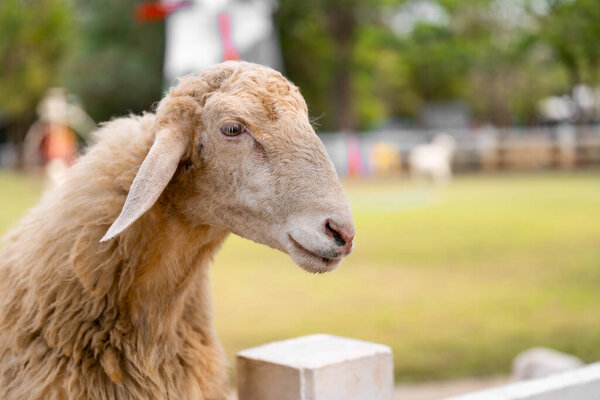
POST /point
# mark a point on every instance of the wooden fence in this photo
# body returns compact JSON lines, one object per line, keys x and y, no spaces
{"x":560,"y":147}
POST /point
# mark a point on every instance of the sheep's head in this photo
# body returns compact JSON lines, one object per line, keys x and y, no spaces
{"x":239,"y":150}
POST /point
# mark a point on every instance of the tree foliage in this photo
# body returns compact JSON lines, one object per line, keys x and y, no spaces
{"x":497,"y":57}
{"x":117,"y":68}
{"x":35,"y":38}
{"x":572,"y":30}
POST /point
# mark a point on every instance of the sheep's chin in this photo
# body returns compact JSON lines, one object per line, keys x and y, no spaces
{"x":311,"y":262}
{"x":319,"y":267}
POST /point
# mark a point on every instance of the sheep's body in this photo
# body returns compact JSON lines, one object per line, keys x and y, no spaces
{"x":79,"y":330}
{"x":104,"y":285}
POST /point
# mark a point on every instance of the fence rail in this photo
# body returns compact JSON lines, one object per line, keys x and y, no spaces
{"x":578,"y":384}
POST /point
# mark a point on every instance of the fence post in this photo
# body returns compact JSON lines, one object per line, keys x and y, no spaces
{"x":316,"y":367}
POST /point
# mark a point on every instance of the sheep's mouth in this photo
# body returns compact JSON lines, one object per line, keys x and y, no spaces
{"x":311,"y":261}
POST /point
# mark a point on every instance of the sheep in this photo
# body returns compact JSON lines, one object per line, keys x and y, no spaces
{"x":433,"y":159}
{"x":105,"y":290}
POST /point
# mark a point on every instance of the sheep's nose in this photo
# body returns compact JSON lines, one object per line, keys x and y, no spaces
{"x":341,"y":234}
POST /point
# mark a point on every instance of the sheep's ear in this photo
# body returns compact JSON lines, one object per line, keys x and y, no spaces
{"x":153,"y":176}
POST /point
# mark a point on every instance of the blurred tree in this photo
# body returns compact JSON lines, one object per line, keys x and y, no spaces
{"x":508,"y":71}
{"x":438,"y":61}
{"x":505,"y":86}
{"x":436,"y":55}
{"x":117,"y":68}
{"x":35,"y":37}
{"x":319,"y":40}
{"x":308,"y":56}
{"x":493,"y":55}
{"x":353,"y":66}
{"x":484,"y":55}
{"x":572,"y":30}
{"x":341,"y":23}
{"x":382,"y":86}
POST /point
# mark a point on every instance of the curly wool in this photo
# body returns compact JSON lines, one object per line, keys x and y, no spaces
{"x":117,"y":320}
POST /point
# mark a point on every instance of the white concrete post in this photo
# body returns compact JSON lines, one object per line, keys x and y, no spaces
{"x":316,"y":367}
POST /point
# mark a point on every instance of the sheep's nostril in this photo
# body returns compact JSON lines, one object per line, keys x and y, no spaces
{"x":340,"y":236}
{"x":336,"y":235}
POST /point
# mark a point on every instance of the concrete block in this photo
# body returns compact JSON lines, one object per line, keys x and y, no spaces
{"x":316,"y":367}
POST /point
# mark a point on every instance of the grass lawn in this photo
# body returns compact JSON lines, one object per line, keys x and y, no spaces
{"x":456,"y":281}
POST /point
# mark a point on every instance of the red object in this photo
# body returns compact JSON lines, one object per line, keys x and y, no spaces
{"x":156,"y":11}
{"x":229,"y":50}
{"x":355,"y":163}
{"x":59,"y":143}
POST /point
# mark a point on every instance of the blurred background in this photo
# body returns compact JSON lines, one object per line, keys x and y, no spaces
{"x":466,"y":133}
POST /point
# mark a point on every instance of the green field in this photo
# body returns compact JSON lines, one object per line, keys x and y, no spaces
{"x":456,"y":281}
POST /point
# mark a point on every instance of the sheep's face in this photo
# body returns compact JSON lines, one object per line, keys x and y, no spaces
{"x":260,"y":171}
{"x":237,"y":148}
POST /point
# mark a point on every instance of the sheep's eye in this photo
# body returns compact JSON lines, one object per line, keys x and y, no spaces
{"x":232,"y":130}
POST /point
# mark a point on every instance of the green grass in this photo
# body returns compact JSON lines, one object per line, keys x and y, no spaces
{"x":17,"y":194}
{"x":456,"y":281}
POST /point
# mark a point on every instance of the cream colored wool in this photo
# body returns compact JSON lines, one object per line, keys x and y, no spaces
{"x":130,"y":318}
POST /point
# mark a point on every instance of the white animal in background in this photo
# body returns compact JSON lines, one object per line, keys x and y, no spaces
{"x":434,"y":159}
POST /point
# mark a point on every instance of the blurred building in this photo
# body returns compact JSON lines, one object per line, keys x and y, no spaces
{"x":206,"y":32}
{"x":444,"y":115}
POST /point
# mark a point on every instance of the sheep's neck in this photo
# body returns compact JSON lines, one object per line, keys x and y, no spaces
{"x":171,"y":276}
